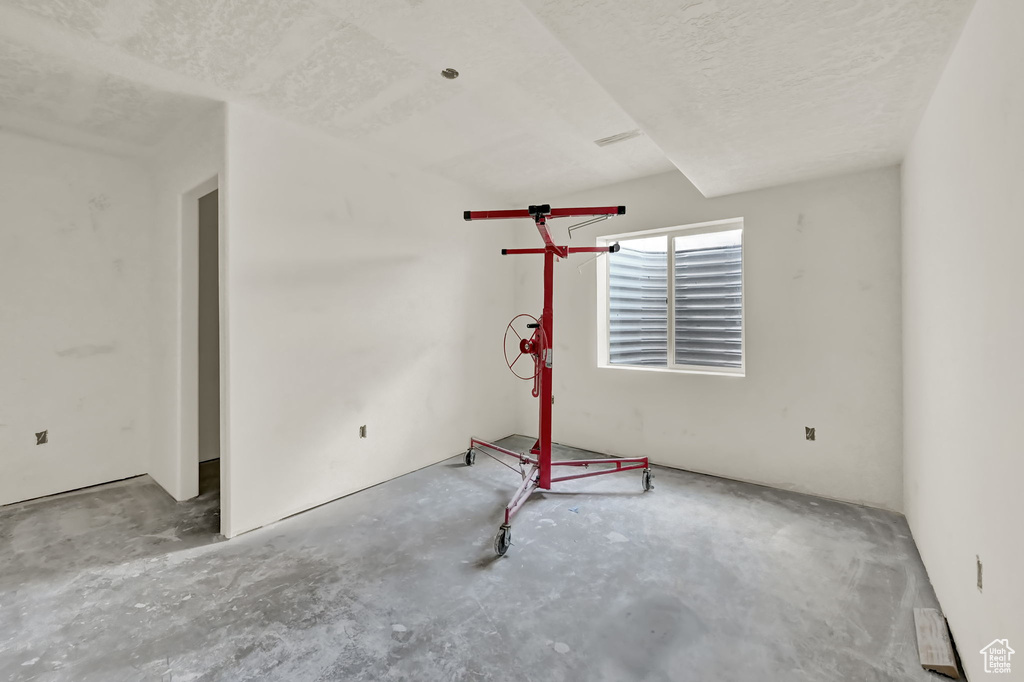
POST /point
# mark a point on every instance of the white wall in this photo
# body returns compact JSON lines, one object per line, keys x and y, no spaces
{"x":357,"y":295}
{"x":189,"y":157}
{"x":963,"y":237}
{"x":822,"y":341}
{"x":74,"y":310}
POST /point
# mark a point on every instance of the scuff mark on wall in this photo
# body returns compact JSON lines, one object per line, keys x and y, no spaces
{"x":97,"y":206}
{"x":87,"y":350}
{"x":99,"y":203}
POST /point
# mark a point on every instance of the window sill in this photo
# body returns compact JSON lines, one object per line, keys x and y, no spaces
{"x":715,"y":371}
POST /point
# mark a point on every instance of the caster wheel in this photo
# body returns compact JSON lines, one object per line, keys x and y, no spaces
{"x":647,"y":480}
{"x":470,"y":457}
{"x":503,"y":540}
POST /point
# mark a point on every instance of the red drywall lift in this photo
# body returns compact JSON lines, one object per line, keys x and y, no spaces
{"x":537,"y":341}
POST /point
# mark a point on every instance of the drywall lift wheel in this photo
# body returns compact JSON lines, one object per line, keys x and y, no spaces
{"x":470,"y":457}
{"x":647,"y":480}
{"x":503,"y":540}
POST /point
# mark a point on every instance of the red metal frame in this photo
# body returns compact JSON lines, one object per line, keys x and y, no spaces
{"x":539,"y":461}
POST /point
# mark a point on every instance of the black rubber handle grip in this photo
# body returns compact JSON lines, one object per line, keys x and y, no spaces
{"x":532,"y":325}
{"x":614,"y":248}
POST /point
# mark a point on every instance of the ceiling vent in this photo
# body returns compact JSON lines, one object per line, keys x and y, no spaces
{"x":621,"y":137}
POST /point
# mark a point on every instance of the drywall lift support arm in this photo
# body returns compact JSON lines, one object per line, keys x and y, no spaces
{"x":536,"y":467}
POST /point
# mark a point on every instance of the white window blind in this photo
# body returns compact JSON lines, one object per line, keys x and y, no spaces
{"x":699,"y":317}
{"x":637,"y":296}
{"x":709,"y":300}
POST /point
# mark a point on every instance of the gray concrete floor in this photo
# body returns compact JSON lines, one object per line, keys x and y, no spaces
{"x":699,"y":579}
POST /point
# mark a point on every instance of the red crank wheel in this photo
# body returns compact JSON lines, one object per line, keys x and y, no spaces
{"x":523,"y":345}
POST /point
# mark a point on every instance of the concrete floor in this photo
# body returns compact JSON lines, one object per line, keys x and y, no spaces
{"x":700,"y":579}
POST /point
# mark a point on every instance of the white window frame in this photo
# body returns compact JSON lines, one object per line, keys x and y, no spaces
{"x":603,"y":303}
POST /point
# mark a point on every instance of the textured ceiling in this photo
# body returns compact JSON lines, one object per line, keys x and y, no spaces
{"x":57,"y":97}
{"x":737,"y":94}
{"x":743,"y":94}
{"x":520,"y":120}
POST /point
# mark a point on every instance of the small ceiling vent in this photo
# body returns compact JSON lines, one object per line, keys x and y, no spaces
{"x":621,"y":137}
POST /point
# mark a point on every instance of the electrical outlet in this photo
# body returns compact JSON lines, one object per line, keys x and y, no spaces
{"x":809,"y":432}
{"x":362,"y":431}
{"x":978,"y":559}
{"x":43,"y":437}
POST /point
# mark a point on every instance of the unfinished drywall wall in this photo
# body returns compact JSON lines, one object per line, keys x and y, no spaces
{"x":74,"y":360}
{"x":822,"y":289}
{"x":964,"y":387}
{"x":357,"y":296}
{"x":190,"y":157}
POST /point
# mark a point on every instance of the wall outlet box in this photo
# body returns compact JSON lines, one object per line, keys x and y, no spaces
{"x":362,"y":431}
{"x":809,"y":432}
{"x":43,"y":437}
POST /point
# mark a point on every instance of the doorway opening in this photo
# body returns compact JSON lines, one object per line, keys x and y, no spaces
{"x":208,"y":356}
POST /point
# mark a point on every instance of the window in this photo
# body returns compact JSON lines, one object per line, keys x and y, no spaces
{"x":691,"y":321}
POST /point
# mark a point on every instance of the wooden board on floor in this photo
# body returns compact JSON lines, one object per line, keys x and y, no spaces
{"x":933,"y":644}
